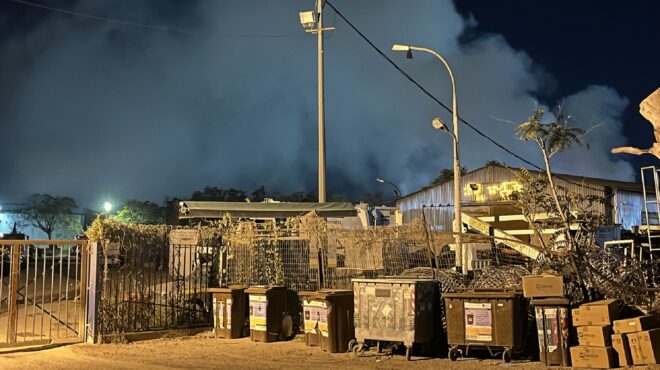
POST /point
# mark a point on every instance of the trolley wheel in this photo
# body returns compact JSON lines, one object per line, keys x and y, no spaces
{"x":454,"y":353}
{"x":506,"y":356}
{"x":359,"y":349}
{"x":408,"y":353}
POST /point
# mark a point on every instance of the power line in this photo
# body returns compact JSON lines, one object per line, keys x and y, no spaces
{"x":142,"y":25}
{"x":447,"y":108}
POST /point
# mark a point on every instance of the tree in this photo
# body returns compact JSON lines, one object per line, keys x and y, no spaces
{"x":374,"y":199}
{"x":551,"y":138}
{"x":446,"y":175}
{"x":140,"y":212}
{"x":215,"y":194}
{"x":51,"y":213}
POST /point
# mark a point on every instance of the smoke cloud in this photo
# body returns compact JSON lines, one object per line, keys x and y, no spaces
{"x":101,"y":110}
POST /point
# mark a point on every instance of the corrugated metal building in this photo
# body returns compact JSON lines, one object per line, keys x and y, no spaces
{"x":485,"y":190}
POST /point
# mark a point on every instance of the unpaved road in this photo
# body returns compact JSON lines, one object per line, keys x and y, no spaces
{"x":205,"y":352}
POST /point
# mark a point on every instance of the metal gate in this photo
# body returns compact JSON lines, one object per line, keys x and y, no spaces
{"x":43,"y":291}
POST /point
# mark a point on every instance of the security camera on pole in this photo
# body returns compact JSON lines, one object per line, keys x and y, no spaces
{"x":313,"y":23}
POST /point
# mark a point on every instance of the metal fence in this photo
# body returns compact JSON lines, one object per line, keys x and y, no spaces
{"x":154,"y":285}
{"x":42,"y":291}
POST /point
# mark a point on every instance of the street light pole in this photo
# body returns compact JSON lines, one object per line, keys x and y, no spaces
{"x":461,"y":256}
{"x":397,"y":191}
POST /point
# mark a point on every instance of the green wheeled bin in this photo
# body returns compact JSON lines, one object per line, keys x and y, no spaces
{"x":486,"y":319}
{"x":328,"y":319}
{"x":230,"y":312}
{"x":274,"y":313}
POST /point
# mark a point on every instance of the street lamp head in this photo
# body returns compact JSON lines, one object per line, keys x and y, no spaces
{"x":439,"y":125}
{"x":406,"y":48}
{"x":380,"y":180}
{"x":107,"y":206}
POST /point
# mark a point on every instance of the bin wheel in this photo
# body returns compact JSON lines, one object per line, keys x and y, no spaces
{"x":454,"y":353}
{"x":408,"y":353}
{"x":506,"y":356}
{"x":351,"y":345}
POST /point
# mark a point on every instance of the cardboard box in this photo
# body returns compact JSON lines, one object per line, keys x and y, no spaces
{"x":545,"y":285}
{"x":635,"y":349}
{"x":596,"y":313}
{"x":649,"y":344}
{"x":622,"y":349}
{"x":593,"y":357}
{"x":636,"y":324}
{"x":595,"y":336}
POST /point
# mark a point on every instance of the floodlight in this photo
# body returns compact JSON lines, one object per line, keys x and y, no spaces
{"x":107,"y":206}
{"x":307,"y":19}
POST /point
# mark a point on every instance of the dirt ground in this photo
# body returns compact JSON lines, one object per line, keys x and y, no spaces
{"x":205,"y":352}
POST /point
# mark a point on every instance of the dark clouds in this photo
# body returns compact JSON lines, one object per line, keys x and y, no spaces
{"x":100,"y":110}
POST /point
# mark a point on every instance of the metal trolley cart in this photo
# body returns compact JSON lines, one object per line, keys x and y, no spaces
{"x":399,"y":310}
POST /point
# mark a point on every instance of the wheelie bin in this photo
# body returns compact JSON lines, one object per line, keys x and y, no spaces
{"x":553,"y":323}
{"x":230,"y":312}
{"x":485,"y":319}
{"x":328,"y":318}
{"x":274,"y":312}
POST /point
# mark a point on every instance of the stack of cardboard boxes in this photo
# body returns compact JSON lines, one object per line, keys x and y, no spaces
{"x":593,"y":322}
{"x":637,"y":340}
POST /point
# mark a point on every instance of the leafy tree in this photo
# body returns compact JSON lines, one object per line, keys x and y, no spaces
{"x":495,"y":163}
{"x":259,"y":194}
{"x":140,"y":212}
{"x":446,"y":174}
{"x":51,"y":213}
{"x":300,"y":196}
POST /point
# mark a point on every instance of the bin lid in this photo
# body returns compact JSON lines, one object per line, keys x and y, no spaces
{"x":484,"y":294}
{"x":330,"y":293}
{"x":262,"y":289}
{"x":550,"y":302}
{"x":229,"y":289}
{"x":394,"y":280}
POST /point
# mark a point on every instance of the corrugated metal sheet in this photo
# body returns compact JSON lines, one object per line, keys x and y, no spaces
{"x":630,"y":207}
{"x":491,"y":184}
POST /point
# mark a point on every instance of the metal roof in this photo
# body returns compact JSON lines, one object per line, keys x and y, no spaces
{"x":193,"y":209}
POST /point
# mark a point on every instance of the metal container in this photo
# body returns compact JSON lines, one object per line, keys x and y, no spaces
{"x":553,"y":327}
{"x":402,"y":310}
{"x":270,"y":313}
{"x":328,"y":319}
{"x":230,"y":312}
{"x":494,"y":320}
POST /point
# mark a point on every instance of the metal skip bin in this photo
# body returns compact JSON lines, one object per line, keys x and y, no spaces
{"x":230,"y":312}
{"x":494,"y":320}
{"x":328,"y":319}
{"x":402,"y":310}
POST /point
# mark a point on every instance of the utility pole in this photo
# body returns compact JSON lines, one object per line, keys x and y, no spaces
{"x":312,"y":21}
{"x":321,"y":101}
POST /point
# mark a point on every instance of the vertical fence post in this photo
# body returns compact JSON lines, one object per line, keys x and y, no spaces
{"x":14,"y":280}
{"x":92,"y":283}
{"x":84,"y":256}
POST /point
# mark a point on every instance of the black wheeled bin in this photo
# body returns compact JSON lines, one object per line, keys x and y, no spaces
{"x":230,"y":312}
{"x":274,"y":312}
{"x":487,"y":319}
{"x":553,"y":324}
{"x":328,"y":318}
{"x":403,"y":310}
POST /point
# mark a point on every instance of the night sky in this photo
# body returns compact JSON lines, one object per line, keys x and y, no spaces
{"x":223,"y":93}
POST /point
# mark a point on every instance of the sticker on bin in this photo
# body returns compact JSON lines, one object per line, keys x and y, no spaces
{"x":316,"y":317}
{"x":258,"y":306}
{"x":478,"y":321}
{"x":215,"y":322}
{"x":221,"y":314}
{"x":229,"y":302}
